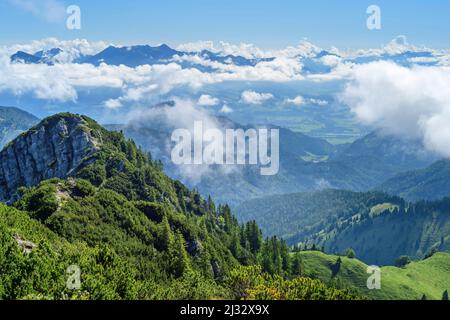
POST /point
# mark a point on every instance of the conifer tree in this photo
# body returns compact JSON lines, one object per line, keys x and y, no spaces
{"x":179,"y":258}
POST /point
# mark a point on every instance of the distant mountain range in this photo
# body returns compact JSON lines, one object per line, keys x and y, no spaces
{"x":381,"y":156}
{"x":133,"y":56}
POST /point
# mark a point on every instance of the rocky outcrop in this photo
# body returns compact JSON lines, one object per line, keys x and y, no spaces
{"x":27,"y":246}
{"x":57,"y":147}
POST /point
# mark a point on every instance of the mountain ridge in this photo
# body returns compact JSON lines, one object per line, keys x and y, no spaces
{"x":56,"y":147}
{"x":430,"y":183}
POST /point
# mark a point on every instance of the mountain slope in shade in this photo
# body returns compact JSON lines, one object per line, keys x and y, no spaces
{"x":389,"y":230}
{"x":430,"y":183}
{"x":14,"y":121}
{"x":297,"y":216}
{"x":379,"y":227}
{"x":380,"y":156}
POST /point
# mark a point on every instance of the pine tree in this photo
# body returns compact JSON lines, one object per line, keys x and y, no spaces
{"x":336,"y":267}
{"x":266,"y":258}
{"x":167,"y":236}
{"x":254,"y":236}
{"x":179,"y":258}
{"x":284,"y":252}
{"x":235,"y":246}
{"x":297,"y":265}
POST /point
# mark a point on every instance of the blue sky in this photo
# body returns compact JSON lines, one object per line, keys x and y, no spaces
{"x":268,"y":24}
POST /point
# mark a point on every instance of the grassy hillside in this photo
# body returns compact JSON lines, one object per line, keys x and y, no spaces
{"x":430,"y":277}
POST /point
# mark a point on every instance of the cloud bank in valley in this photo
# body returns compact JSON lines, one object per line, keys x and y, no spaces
{"x":182,"y":114}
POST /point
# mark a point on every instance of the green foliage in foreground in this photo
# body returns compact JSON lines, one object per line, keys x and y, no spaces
{"x":42,"y":273}
{"x":429,"y":277}
{"x":252,"y":284}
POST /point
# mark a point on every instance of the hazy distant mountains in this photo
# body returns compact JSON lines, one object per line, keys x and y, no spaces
{"x":381,"y":156}
{"x":315,"y":62}
{"x":306,"y":163}
{"x":431,"y":183}
{"x":14,"y":121}
{"x":134,"y":56}
{"x":379,"y":227}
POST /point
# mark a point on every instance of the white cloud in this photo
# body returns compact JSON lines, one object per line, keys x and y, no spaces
{"x":304,"y":49}
{"x":226,"y":109}
{"x":197,"y":46}
{"x":279,"y":70}
{"x":318,"y":102}
{"x":49,"y":10}
{"x":412,"y":103}
{"x":252,"y":97}
{"x":246,"y":50}
{"x":42,"y":81}
{"x":298,"y":101}
{"x":208,"y":101}
{"x":113,"y":103}
{"x":182,"y":115}
{"x":331,"y":60}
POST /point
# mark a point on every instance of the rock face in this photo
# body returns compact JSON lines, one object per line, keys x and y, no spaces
{"x":57,"y":147}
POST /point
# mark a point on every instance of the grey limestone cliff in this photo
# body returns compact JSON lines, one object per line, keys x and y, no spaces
{"x":57,"y":147}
